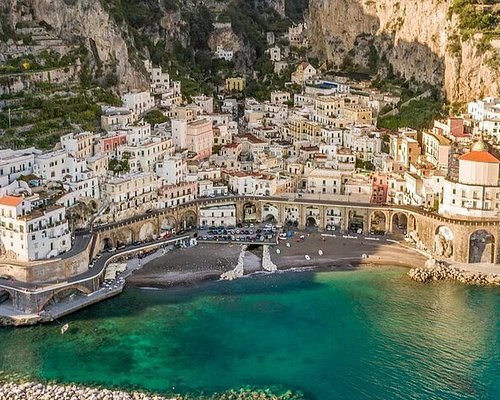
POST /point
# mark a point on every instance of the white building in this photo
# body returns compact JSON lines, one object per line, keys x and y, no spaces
{"x":144,"y":156}
{"x":172,"y":170}
{"x":29,"y":233}
{"x":256,"y":184}
{"x":206,"y":103}
{"x":477,"y":191}
{"x":487,"y":108}
{"x":274,"y":53}
{"x":80,"y":145}
{"x":218,"y":216}
{"x":278,"y":97}
{"x":114,"y":118}
{"x":223,"y":53}
{"x":139,"y":103}
{"x":14,"y":163}
{"x":159,"y":80}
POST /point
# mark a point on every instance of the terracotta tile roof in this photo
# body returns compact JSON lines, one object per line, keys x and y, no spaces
{"x":11,"y":201}
{"x":480,"y":156}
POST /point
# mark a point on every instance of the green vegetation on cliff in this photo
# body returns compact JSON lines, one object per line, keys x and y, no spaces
{"x":418,"y":114}
{"x":40,"y":118}
{"x":477,"y":17}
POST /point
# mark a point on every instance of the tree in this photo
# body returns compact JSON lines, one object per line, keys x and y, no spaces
{"x":155,"y":117}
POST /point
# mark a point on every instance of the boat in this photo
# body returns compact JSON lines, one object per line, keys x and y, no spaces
{"x":64,"y":328}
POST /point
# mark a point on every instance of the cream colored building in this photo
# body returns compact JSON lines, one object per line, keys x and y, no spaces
{"x":326,"y":181}
{"x":280,"y":97}
{"x":304,"y":72}
{"x":130,"y":194}
{"x":436,"y":149}
{"x":79,"y":145}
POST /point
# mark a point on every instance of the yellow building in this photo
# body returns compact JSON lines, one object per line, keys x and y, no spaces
{"x":235,"y":84}
{"x":329,"y":106}
{"x":358,"y":114}
{"x":303,"y":129}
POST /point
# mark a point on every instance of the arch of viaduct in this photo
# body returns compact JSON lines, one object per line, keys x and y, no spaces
{"x":457,"y":240}
{"x":453,"y":238}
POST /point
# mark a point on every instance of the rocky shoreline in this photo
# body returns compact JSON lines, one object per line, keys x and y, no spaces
{"x":439,"y":271}
{"x":39,"y":391}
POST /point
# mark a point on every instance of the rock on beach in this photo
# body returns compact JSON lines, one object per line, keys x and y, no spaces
{"x":439,"y":271}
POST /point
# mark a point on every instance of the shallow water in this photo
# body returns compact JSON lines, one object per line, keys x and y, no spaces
{"x":367,"y":334}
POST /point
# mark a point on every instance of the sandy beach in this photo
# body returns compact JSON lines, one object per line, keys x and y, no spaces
{"x":209,"y":261}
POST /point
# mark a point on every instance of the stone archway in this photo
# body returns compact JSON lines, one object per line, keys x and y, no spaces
{"x":5,"y":295}
{"x":64,"y":294}
{"x":412,"y":223}
{"x":107,"y":243}
{"x":311,"y":222}
{"x":270,"y":213}
{"x":188,"y":220}
{"x":378,"y":223}
{"x":355,"y":222}
{"x":312,"y":217}
{"x":333,"y":218}
{"x":443,"y":241}
{"x":291,"y":216}
{"x":168,"y":223}
{"x":125,"y":235}
{"x":400,"y":223}
{"x":148,"y":231}
{"x":481,"y":247}
{"x":249,"y":212}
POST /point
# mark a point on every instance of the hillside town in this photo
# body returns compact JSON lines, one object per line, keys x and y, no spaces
{"x":320,"y":143}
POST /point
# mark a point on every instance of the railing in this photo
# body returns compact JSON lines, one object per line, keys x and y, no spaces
{"x":296,"y":198}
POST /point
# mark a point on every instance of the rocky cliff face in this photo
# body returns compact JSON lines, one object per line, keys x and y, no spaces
{"x":417,"y":40}
{"x":83,"y":22}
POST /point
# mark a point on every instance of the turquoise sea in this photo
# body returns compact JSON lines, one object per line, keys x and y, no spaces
{"x":367,"y":334}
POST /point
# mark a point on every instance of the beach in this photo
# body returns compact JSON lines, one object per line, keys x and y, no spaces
{"x":207,"y":261}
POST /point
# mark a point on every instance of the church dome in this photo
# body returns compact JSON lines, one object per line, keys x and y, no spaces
{"x":480,"y":145}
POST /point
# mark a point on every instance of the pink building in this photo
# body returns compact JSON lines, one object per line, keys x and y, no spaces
{"x":380,"y":188}
{"x":110,"y":143}
{"x":173,"y":195}
{"x":453,"y":128}
{"x":200,"y":137}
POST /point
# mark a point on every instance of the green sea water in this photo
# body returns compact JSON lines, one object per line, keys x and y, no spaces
{"x":367,"y":334}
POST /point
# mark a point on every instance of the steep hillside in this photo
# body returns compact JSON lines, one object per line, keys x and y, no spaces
{"x":115,"y":35}
{"x":453,"y":44}
{"x":78,"y":23}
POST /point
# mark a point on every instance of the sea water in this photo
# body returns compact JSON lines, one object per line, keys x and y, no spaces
{"x":366,"y":334}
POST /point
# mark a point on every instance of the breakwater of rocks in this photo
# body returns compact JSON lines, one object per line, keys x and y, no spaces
{"x":39,"y":391}
{"x":238,"y":271}
{"x":267,"y":263}
{"x":440,"y":271}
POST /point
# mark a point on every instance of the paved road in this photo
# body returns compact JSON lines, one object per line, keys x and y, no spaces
{"x":91,"y":273}
{"x":82,"y":238}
